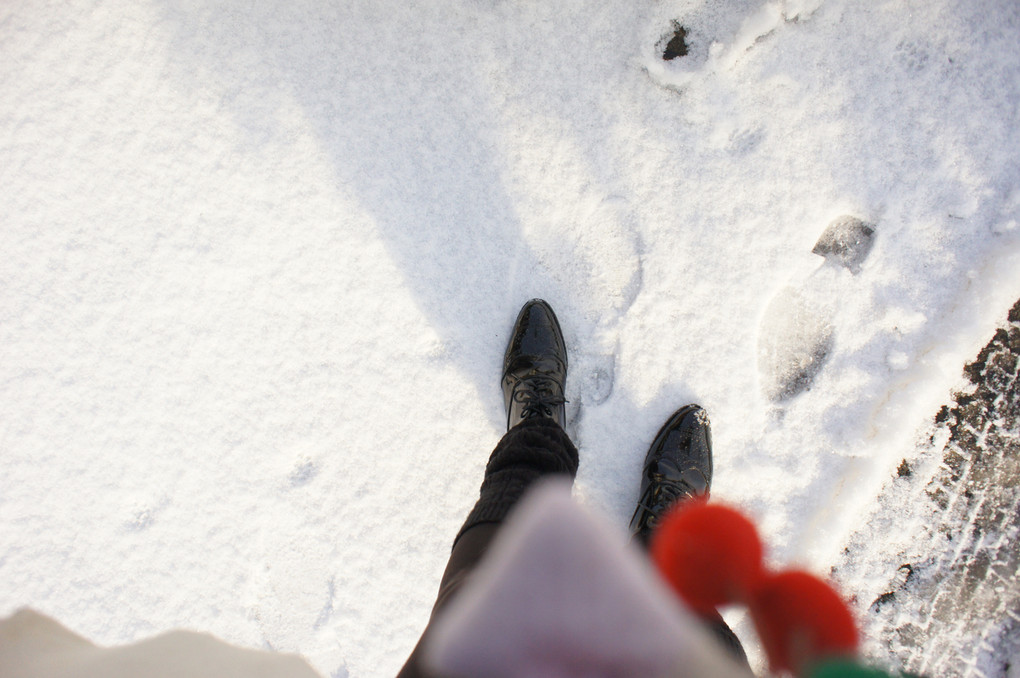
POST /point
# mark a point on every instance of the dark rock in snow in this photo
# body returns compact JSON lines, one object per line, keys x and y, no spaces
{"x":677,"y":45}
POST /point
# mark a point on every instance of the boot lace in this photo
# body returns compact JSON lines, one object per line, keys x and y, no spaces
{"x":538,"y":397}
{"x":665,"y":495}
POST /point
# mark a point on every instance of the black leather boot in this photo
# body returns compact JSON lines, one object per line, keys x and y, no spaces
{"x":678,"y":467}
{"x":535,"y":367}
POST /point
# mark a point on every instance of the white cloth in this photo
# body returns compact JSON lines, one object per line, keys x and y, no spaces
{"x":33,"y":645}
{"x":561,"y":594}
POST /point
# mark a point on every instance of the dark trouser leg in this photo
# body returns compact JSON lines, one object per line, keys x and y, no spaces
{"x":468,"y":550}
{"x":729,"y":640}
{"x":528,"y":451}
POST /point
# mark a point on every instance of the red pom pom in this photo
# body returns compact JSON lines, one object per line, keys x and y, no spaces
{"x":710,"y":554}
{"x":801,"y":620}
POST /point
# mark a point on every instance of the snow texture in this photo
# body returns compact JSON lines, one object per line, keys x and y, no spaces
{"x":943,"y":597}
{"x":259,"y":265}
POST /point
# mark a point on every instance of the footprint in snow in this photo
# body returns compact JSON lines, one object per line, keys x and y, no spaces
{"x":796,"y":333}
{"x":713,"y":38}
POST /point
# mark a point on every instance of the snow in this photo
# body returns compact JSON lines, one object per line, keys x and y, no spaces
{"x":259,"y":266}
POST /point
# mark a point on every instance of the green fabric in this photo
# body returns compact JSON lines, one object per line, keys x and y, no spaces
{"x":846,"y":668}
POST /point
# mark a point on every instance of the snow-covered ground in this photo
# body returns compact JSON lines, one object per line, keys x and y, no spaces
{"x":941,"y":593}
{"x":258,"y":265}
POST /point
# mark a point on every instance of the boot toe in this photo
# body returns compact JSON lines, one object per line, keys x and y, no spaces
{"x":678,"y":466}
{"x":537,"y":336}
{"x":535,"y":366}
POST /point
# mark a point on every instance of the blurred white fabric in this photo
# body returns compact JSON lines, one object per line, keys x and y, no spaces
{"x":561,"y":594}
{"x":33,"y":645}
